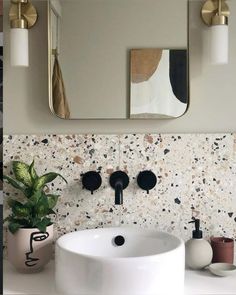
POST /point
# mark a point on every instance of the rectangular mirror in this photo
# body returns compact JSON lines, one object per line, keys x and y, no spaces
{"x":90,"y":48}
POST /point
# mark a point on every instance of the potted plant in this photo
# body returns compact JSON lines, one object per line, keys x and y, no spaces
{"x":30,"y":229}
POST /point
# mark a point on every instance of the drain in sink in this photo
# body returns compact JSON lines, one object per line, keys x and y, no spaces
{"x":119,"y":240}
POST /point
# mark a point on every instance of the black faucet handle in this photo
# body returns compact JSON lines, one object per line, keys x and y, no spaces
{"x":91,"y":181}
{"x":146,"y":180}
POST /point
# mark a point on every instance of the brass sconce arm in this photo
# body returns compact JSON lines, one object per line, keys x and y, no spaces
{"x":22,"y":14}
{"x":215,"y":12}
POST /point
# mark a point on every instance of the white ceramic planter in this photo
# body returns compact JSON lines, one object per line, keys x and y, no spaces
{"x":29,"y":250}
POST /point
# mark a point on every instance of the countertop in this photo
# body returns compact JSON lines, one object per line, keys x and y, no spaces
{"x":196,"y":282}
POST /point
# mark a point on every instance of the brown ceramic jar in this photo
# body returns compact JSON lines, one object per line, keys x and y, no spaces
{"x":223,"y":249}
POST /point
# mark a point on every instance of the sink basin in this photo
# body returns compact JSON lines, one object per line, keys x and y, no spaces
{"x":139,"y":262}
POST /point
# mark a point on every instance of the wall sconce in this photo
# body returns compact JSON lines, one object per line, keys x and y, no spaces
{"x":23,"y":16}
{"x":215,"y":14}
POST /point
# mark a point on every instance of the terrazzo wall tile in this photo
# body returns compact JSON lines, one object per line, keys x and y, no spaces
{"x":196,"y":176}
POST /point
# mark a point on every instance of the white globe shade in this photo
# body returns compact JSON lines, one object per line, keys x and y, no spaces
{"x":19,"y":44}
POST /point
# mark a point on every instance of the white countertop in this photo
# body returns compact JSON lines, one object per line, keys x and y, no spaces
{"x":196,"y":282}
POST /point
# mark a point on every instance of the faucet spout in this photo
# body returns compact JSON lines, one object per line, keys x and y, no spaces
{"x":119,"y":181}
{"x":119,"y":193}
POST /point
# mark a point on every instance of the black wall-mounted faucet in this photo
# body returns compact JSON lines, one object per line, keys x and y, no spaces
{"x":119,"y":181}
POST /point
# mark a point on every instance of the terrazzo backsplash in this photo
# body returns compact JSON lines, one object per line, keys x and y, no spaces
{"x":196,"y":177}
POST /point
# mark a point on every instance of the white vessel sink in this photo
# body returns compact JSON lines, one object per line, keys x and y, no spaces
{"x":148,"y":263}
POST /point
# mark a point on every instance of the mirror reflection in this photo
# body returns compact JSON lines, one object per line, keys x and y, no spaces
{"x":94,"y":63}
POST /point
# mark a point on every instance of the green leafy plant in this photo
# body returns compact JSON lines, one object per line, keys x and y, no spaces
{"x":35,"y":210}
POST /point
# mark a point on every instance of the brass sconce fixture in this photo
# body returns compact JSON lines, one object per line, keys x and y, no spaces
{"x":215,"y":14}
{"x":23,"y":16}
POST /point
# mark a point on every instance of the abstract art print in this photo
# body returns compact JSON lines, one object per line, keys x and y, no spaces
{"x":159,"y":83}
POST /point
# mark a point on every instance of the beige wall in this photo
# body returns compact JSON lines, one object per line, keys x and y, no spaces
{"x":212,"y":89}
